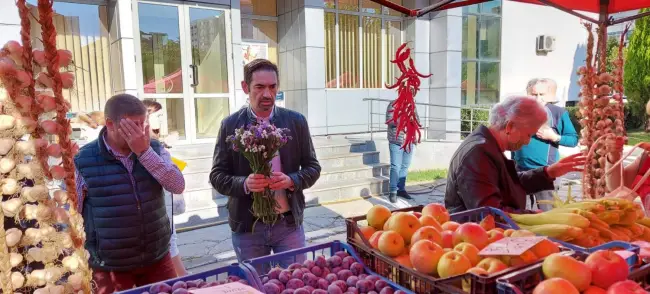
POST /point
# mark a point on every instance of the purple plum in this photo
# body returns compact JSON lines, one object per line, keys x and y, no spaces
{"x":203,"y":283}
{"x":294,"y":266}
{"x":357,"y":268}
{"x":308,"y":263}
{"x":297,"y":274}
{"x":159,"y":288}
{"x":387,"y":290}
{"x":372,"y":292}
{"x":363,"y":276}
{"x":301,"y":291}
{"x":274,"y":273}
{"x":265,"y":280}
{"x":212,"y":284}
{"x":232,"y":278}
{"x":321,"y":261}
{"x":333,"y":289}
{"x":325,"y":271}
{"x":352,"y":281}
{"x":365,"y":286}
{"x":336,"y":270}
{"x":334,"y":261}
{"x":341,"y":284}
{"x":295,"y":284}
{"x":319,"y":291}
{"x":344,"y":275}
{"x":342,"y":254}
{"x":179,"y":285}
{"x":323,"y":284}
{"x":272,"y":288}
{"x":310,"y":280}
{"x":331,"y":278}
{"x":285,"y":276}
{"x":373,"y":278}
{"x":316,"y":270}
{"x":181,"y":291}
{"x":353,"y":290}
{"x":288,"y":291}
{"x":305,"y":270}
{"x":277,"y":282}
{"x":379,"y":284}
{"x":347,"y":262}
{"x":309,"y":288}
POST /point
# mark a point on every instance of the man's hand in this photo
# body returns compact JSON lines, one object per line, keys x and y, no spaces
{"x":280,"y":181}
{"x":137,"y":138}
{"x":615,"y":147}
{"x":256,"y":183}
{"x":548,"y":134}
{"x":566,"y":165}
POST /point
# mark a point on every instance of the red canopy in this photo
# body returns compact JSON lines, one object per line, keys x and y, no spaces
{"x":615,"y":6}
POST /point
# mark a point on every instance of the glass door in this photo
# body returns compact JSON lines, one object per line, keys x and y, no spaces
{"x":208,"y":32}
{"x":184,"y":52}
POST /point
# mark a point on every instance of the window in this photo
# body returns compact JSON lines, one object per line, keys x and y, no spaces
{"x":259,"y":24}
{"x":481,"y":52}
{"x":360,"y":37}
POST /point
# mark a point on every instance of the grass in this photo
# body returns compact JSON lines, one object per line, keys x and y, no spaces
{"x":426,"y":175}
{"x":637,"y":136}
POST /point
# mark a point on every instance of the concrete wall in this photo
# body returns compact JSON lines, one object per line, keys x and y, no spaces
{"x":9,"y":22}
{"x":521,"y":24}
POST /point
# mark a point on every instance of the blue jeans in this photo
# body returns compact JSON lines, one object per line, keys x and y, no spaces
{"x":400,"y":160}
{"x":284,"y":235}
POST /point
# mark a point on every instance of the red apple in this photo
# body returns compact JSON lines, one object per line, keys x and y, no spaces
{"x":447,"y":239}
{"x":607,"y":268}
{"x":555,"y":286}
{"x":438,"y":211}
{"x":626,"y":287}
{"x":471,"y":233}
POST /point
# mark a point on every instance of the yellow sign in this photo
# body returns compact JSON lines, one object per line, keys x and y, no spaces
{"x":179,"y":163}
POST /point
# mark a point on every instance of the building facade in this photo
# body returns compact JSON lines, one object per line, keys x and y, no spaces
{"x":333,"y":56}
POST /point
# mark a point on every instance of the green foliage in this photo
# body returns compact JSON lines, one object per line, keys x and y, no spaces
{"x":573,"y":114}
{"x":637,"y":67}
{"x":632,"y":122}
{"x":471,"y":118}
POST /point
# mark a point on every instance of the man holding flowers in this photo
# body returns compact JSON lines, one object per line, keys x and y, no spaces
{"x":263,"y":160}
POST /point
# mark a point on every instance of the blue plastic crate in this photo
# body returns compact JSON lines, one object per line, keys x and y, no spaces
{"x":326,"y":249}
{"x":212,"y":275}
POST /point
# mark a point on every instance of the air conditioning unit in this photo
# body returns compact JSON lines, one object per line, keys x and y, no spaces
{"x":545,"y":43}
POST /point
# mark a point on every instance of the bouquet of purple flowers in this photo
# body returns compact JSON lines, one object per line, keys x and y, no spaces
{"x":259,"y":143}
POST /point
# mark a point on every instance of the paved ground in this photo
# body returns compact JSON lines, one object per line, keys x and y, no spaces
{"x":208,"y":248}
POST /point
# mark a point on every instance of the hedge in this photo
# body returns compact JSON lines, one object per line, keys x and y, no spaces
{"x":470,"y":120}
{"x":632,"y":122}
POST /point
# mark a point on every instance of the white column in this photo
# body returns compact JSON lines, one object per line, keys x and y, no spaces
{"x":122,"y":36}
{"x":9,"y":22}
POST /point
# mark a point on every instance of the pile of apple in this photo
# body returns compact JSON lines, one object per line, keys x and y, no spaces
{"x":603,"y":272}
{"x":338,"y":274}
{"x":432,"y":244}
{"x":183,"y":287}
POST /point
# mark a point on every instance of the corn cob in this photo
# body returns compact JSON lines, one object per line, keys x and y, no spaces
{"x":558,"y":231}
{"x":622,"y":229}
{"x":628,"y":217}
{"x":570,"y":219}
{"x":586,"y":205}
{"x":644,"y":222}
{"x":637,"y":230}
{"x":605,"y":232}
{"x":623,"y":234}
{"x":591,"y":232}
{"x":585,"y":241}
{"x":593,"y":219}
{"x":610,"y":217}
{"x":646,"y":234}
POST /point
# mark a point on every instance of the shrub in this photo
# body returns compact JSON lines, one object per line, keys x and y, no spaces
{"x":471,"y":118}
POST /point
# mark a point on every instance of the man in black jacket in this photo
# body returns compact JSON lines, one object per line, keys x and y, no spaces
{"x":294,"y":169}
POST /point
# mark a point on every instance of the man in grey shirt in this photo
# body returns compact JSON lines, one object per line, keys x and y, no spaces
{"x":400,"y":159}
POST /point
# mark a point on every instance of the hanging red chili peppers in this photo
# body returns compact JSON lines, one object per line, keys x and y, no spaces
{"x":408,"y":84}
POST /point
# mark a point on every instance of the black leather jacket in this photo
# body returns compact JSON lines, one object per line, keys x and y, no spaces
{"x":230,"y":169}
{"x":480,"y":175}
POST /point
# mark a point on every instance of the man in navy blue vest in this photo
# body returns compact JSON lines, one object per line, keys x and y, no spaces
{"x":295,"y":168}
{"x":543,"y":149}
{"x":120,"y":180}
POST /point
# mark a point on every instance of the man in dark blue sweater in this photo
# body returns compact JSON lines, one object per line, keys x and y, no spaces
{"x":543,"y":149}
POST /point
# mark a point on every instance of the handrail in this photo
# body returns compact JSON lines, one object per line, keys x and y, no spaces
{"x":475,"y":106}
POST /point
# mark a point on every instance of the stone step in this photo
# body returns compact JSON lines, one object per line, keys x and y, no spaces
{"x":350,"y":159}
{"x":347,"y":190}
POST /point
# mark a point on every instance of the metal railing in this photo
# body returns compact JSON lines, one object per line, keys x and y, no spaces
{"x":434,"y":127}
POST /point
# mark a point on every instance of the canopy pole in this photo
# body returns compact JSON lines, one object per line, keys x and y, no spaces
{"x":629,"y":18}
{"x":462,"y":3}
{"x":569,"y":11}
{"x":433,"y":7}
{"x":397,"y":7}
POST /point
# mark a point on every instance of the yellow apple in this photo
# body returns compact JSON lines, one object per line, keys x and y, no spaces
{"x":427,"y":233}
{"x":391,"y":243}
{"x":377,"y":216}
{"x":437,"y":211}
{"x":492,"y":265}
{"x":470,"y":251}
{"x":452,"y":264}
{"x":566,"y":267}
{"x":427,"y":220}
{"x":555,"y":286}
{"x":405,"y":224}
{"x":425,"y":255}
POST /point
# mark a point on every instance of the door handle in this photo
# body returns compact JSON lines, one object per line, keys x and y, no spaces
{"x":195,"y":75}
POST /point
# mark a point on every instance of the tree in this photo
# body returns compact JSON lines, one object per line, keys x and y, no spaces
{"x":637,"y":68}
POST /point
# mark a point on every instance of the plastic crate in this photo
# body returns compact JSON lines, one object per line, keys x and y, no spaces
{"x":221,"y":273}
{"x":525,"y":280}
{"x":407,"y":277}
{"x":325,"y":249}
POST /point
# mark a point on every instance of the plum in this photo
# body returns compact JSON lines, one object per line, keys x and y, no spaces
{"x":341,"y":284}
{"x":265,"y":280}
{"x":347,"y":262}
{"x":288,"y":291}
{"x":321,"y":261}
{"x":336,"y":270}
{"x":357,"y":268}
{"x":352,"y":281}
{"x":373,"y":278}
{"x":193,"y":284}
{"x":323,"y":284}
{"x":334,"y":261}
{"x":342,"y":254}
{"x":365,"y":286}
{"x":232,"y":278}
{"x":310,"y":280}
{"x":277,"y":282}
{"x":326,"y":271}
{"x":294,"y":266}
{"x":379,"y":284}
{"x":319,"y":291}
{"x":203,"y":283}
{"x":285,"y":276}
{"x":301,"y":291}
{"x":333,"y":289}
{"x":353,"y":290}
{"x":179,"y":285}
{"x":308,"y":263}
{"x":272,"y":288}
{"x":372,"y":292}
{"x":295,"y":284}
{"x":212,"y":284}
{"x":274,"y":273}
{"x":159,"y":288}
{"x":297,"y":274}
{"x":331,"y":278}
{"x":344,"y":275}
{"x":317,"y":271}
{"x":386,"y":290}
{"x":309,"y":288}
{"x":362,"y":276}
{"x":181,"y":291}
{"x":305,"y":270}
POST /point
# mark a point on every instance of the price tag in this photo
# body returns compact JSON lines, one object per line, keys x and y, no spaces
{"x":230,"y":288}
{"x":511,"y":246}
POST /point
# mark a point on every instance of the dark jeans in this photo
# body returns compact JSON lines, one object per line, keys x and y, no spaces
{"x":284,"y":235}
{"x":400,"y":160}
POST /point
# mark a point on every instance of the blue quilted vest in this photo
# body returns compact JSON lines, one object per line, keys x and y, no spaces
{"x":126,"y":226}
